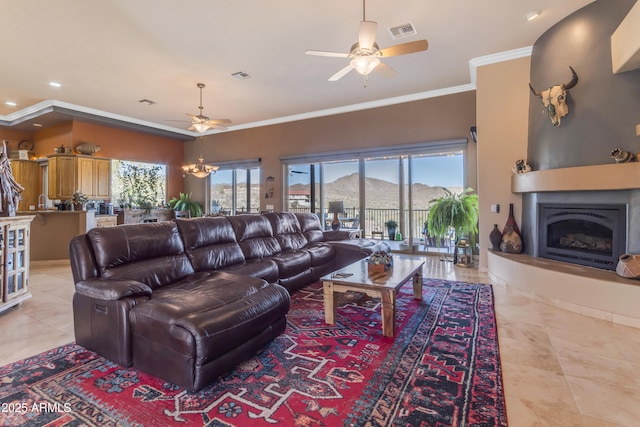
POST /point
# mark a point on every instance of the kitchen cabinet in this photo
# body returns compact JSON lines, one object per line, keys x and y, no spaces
{"x":14,"y":260}
{"x":27,"y":174}
{"x":69,"y":173}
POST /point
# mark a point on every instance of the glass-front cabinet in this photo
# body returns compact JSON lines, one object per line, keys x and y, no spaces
{"x":14,"y":260}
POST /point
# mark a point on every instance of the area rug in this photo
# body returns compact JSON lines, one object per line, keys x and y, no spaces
{"x":442,"y":368}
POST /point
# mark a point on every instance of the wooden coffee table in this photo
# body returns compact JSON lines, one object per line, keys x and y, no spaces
{"x":356,"y":277}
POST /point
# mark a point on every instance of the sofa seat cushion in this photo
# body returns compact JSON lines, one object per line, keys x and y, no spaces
{"x":262,"y":268}
{"x":206,"y":318}
{"x":292,"y":263}
{"x":321,"y":254}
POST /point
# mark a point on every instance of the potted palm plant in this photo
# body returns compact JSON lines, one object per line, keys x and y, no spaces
{"x":457,"y":211}
{"x":185,"y":204}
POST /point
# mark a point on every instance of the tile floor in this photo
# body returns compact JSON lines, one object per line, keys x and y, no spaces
{"x":559,"y":368}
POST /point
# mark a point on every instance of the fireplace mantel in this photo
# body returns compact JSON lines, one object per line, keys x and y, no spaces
{"x":623,"y":176}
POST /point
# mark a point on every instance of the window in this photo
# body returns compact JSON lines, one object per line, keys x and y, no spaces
{"x":137,"y":184}
{"x":234,"y":191}
{"x":379,"y":185}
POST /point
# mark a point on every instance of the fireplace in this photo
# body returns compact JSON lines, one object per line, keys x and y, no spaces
{"x":591,"y":235}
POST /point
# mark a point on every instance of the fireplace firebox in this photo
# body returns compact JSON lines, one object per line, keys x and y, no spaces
{"x":591,"y":235}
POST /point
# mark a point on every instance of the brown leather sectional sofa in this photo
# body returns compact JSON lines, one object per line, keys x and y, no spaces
{"x":189,"y":299}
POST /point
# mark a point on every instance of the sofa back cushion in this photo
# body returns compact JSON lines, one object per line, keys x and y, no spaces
{"x":255,"y":236}
{"x":286,"y":230}
{"x":310,"y":226}
{"x":210,"y":243}
{"x":149,"y":253}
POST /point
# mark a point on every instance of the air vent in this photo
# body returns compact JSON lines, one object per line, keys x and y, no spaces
{"x":241,"y":75}
{"x":402,"y":31}
{"x":146,"y":101}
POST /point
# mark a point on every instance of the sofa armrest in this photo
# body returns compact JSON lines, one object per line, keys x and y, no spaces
{"x":112,"y":290}
{"x":332,"y":235}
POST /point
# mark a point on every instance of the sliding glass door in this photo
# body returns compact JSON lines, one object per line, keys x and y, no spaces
{"x":393,"y":185}
{"x":430,"y":173}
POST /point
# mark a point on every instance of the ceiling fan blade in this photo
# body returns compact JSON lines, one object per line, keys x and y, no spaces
{"x":219,"y":127}
{"x":325,"y":53}
{"x":340,"y":74}
{"x":385,"y":71}
{"x":367,"y":34}
{"x":195,"y":119}
{"x":218,"y":121}
{"x":405,"y":48}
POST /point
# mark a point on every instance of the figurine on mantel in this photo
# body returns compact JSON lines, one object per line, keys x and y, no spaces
{"x":521,"y":166}
{"x":10,"y":190}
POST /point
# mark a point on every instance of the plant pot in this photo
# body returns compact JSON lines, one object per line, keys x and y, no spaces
{"x":377,"y":268}
{"x":392,"y":233}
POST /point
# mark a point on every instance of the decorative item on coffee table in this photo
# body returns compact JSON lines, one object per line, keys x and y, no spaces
{"x":379,"y":262}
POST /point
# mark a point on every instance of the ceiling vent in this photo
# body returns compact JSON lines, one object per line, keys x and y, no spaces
{"x":241,"y":75}
{"x":402,"y":31}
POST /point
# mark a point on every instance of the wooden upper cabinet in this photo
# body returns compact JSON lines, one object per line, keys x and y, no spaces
{"x":102,"y":178}
{"x":27,"y":174}
{"x":71,"y":173}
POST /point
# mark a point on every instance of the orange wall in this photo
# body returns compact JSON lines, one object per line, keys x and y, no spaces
{"x":117,"y":144}
{"x":14,"y":137}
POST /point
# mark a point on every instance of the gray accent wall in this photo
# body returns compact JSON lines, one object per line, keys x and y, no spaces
{"x":604,"y":108}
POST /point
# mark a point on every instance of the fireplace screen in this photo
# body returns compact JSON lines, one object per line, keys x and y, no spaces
{"x":591,"y":235}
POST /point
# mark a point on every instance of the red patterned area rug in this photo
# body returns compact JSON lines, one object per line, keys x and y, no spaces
{"x":441,"y":369}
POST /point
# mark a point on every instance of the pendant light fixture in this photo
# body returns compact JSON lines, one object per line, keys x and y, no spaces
{"x":200,"y":169}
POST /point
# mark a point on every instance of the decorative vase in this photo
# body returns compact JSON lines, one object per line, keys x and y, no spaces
{"x":511,"y":241}
{"x":629,"y":266}
{"x":511,"y":220}
{"x":495,"y":237}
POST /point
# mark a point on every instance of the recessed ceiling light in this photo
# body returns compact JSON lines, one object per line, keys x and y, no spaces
{"x":241,"y":75}
{"x":531,"y":15}
{"x":55,"y":84}
{"x":38,"y":125}
{"x":10,"y":103}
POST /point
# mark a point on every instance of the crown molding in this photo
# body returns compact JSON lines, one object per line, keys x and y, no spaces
{"x":103,"y":117}
{"x":508,"y":55}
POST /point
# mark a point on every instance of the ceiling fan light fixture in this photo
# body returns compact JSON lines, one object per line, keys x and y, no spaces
{"x":365,"y":64}
{"x":200,"y":127}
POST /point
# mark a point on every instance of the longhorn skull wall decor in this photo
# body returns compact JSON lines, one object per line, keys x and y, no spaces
{"x":554,"y":99}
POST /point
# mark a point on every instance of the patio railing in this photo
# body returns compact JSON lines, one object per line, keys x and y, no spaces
{"x":375,"y":219}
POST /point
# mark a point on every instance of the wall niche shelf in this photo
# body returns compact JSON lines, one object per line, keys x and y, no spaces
{"x":622,"y":176}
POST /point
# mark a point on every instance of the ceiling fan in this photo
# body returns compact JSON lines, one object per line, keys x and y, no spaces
{"x":365,"y":54}
{"x":202,"y":123}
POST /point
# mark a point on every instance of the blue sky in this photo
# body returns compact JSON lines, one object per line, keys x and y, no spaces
{"x":446,"y":171}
